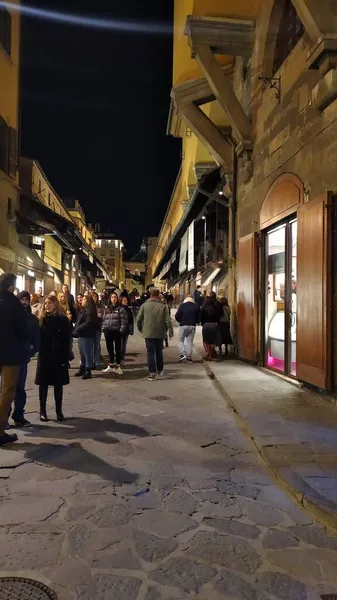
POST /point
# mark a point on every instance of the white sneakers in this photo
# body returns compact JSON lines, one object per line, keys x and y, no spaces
{"x":114,"y":369}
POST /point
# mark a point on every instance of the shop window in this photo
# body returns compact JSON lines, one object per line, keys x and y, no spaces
{"x":5,"y":30}
{"x":290,"y":32}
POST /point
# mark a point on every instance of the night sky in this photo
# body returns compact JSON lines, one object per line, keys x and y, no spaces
{"x":94,"y":113}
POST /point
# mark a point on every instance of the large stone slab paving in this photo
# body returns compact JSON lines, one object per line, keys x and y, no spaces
{"x":164,"y":524}
{"x":181,"y":502}
{"x":233,"y":527}
{"x":28,"y":509}
{"x":183,"y":573}
{"x":282,"y":586}
{"x":106,"y":587}
{"x":226,"y":551}
{"x":151,"y":548}
{"x":33,"y":551}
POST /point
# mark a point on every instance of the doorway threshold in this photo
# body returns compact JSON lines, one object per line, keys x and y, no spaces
{"x":286,"y":378}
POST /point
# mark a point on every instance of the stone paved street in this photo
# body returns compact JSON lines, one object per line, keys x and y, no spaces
{"x":150,"y":491}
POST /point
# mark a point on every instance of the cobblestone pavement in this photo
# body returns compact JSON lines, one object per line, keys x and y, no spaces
{"x":150,"y":491}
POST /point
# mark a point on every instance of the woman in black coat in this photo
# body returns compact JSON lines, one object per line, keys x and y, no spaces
{"x":85,"y":331}
{"x":52,"y":362}
{"x":211,"y":313}
{"x":130,"y":329}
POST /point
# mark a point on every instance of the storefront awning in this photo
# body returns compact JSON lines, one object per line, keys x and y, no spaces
{"x":196,"y":205}
{"x":30,"y":259}
{"x":37,"y":219}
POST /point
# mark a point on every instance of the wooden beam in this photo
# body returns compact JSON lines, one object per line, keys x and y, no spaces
{"x":318,"y":19}
{"x":208,"y":134}
{"x":234,"y":37}
{"x":223,"y":91}
{"x":198,"y":91}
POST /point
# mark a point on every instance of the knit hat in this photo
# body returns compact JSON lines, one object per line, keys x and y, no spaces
{"x":23,"y":294}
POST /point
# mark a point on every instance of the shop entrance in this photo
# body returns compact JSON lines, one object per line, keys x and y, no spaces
{"x":280,"y":272}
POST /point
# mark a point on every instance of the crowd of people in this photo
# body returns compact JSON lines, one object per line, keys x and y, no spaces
{"x":32,"y":324}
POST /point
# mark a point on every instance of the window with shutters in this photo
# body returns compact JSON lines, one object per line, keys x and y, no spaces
{"x":290,"y":32}
{"x":5,"y":29}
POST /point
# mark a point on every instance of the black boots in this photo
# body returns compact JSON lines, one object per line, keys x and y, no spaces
{"x":58,"y":403}
{"x":87,"y":374}
{"x":80,"y":372}
{"x":43,"y":413}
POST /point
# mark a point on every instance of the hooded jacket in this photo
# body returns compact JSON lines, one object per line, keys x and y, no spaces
{"x":188,"y":313}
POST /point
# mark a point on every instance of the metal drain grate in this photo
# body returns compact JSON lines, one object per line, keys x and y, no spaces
{"x":329,"y":597}
{"x":18,"y":588}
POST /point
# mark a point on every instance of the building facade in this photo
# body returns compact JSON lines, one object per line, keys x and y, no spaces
{"x":270,"y":68}
{"x":55,"y":246}
{"x":9,"y":134}
{"x":110,"y":250}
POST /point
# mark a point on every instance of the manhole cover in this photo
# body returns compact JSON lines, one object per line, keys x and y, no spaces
{"x":329,"y":597}
{"x":17,"y":588}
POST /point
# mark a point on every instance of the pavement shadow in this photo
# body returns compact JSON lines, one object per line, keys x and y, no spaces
{"x":75,"y":458}
{"x":98,"y":430}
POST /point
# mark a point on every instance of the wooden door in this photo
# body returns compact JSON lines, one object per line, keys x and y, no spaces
{"x":247,"y":277}
{"x":314,"y":293}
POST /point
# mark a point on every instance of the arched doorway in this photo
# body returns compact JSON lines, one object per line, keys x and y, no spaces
{"x":278,"y":222}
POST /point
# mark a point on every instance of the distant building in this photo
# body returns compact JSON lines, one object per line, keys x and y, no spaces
{"x":110,"y":250}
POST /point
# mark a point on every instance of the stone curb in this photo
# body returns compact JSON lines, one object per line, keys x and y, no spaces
{"x":286,"y":478}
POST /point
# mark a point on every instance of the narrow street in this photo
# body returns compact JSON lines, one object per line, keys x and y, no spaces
{"x":150,"y":491}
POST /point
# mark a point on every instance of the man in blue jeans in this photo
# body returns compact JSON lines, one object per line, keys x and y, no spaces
{"x":154,"y":322}
{"x":187,"y":315}
{"x":31,"y":348}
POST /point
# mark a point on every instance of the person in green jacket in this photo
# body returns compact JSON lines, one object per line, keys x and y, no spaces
{"x":154,"y":322}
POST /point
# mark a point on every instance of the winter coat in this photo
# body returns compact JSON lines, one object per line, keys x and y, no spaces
{"x":54,"y":351}
{"x":32,"y":346}
{"x":188,"y":313}
{"x":129,"y":313}
{"x":211,"y":313}
{"x":154,"y":320}
{"x":86,"y":324}
{"x":115,"y":319}
{"x":14,"y":330}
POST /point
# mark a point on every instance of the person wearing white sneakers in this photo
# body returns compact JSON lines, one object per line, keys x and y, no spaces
{"x":115,"y":325}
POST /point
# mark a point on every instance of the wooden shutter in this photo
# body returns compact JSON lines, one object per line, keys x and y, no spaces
{"x":314,"y":293}
{"x":13,"y":153}
{"x":247,"y":277}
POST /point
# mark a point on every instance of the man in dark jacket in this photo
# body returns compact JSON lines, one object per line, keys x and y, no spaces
{"x":14,"y":335}
{"x":69,"y":297}
{"x":187,"y":315}
{"x":198,"y":297}
{"x":31,"y":348}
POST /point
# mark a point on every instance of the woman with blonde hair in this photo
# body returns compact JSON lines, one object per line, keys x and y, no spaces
{"x":52,"y":362}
